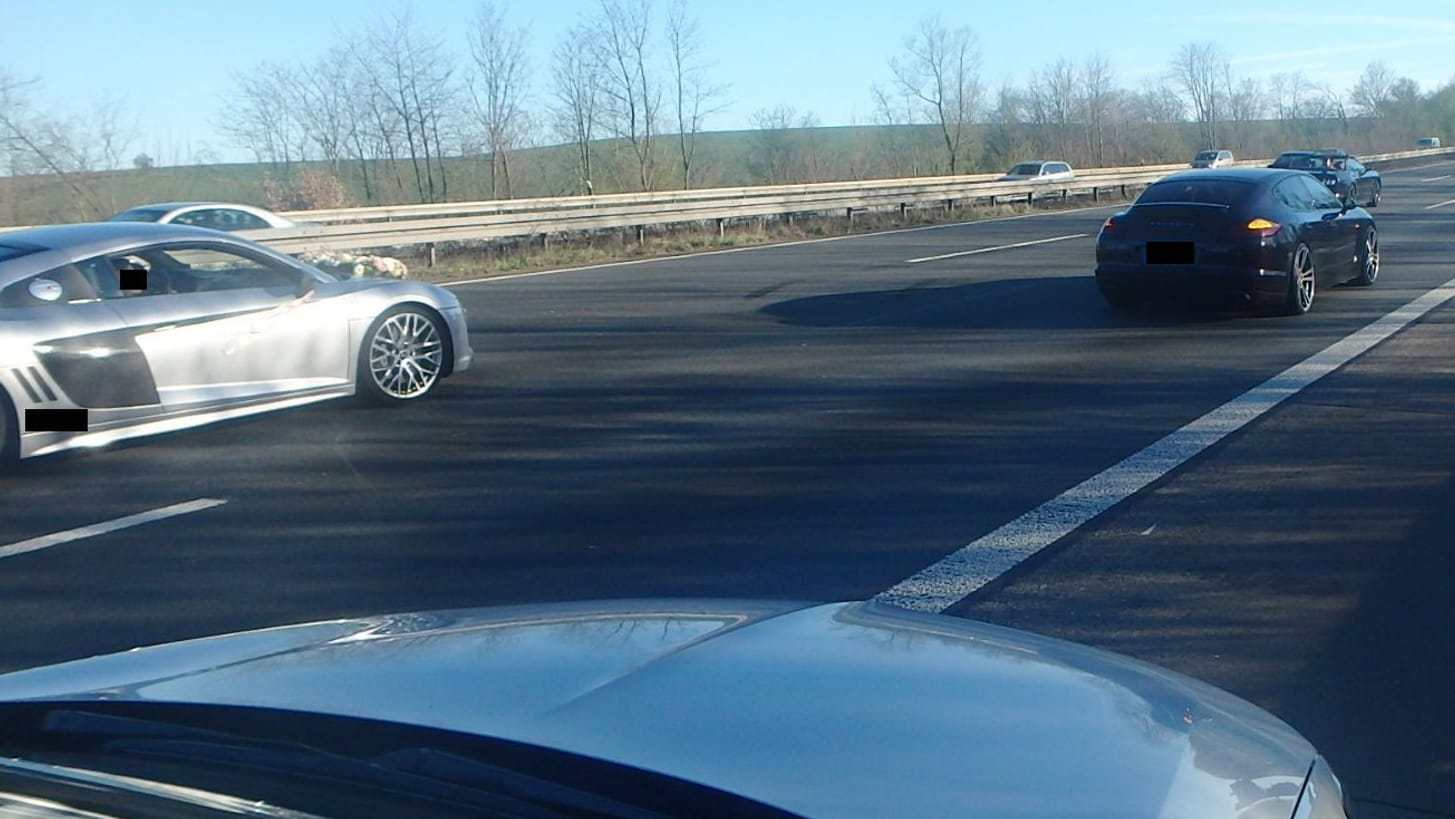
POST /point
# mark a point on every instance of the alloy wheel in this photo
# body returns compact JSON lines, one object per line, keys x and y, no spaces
{"x":406,"y":354}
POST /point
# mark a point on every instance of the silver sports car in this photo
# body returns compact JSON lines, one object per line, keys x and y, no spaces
{"x":115,"y":330}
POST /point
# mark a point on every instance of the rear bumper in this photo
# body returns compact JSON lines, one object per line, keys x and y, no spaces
{"x":1236,"y":285}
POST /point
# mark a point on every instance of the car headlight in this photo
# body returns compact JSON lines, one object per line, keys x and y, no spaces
{"x":1323,"y":796}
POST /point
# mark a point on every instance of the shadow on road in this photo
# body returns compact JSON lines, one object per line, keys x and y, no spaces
{"x":1040,"y":303}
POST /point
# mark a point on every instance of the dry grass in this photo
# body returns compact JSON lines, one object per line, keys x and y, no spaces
{"x":460,"y":261}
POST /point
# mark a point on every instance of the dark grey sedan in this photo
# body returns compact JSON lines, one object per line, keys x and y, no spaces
{"x":1245,"y":236}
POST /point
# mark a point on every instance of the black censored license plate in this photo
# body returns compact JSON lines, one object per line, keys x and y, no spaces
{"x":1169,"y":253}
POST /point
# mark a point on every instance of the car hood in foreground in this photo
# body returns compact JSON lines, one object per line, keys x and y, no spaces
{"x":833,"y":710}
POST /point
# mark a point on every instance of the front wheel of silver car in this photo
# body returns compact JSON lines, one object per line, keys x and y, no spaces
{"x":403,"y":355}
{"x":1300,"y":282}
{"x":1368,"y":259}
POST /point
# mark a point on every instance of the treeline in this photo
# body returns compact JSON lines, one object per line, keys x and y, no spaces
{"x":389,"y":113}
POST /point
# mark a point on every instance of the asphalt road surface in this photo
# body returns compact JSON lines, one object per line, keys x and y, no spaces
{"x":821,"y":421}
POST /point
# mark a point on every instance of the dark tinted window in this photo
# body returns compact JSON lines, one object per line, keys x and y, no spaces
{"x":1319,"y":196}
{"x":1210,"y":191}
{"x":1291,"y":193}
{"x":1302,"y":162}
{"x":1207,"y":155}
{"x":139,"y":215}
{"x":1026,"y":169}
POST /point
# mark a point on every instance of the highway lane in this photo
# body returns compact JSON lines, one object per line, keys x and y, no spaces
{"x":809,"y":421}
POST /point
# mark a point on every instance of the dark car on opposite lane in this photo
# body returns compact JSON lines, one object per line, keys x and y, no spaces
{"x":1343,"y":174}
{"x":1255,"y":236}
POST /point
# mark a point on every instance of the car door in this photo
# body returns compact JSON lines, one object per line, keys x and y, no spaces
{"x":220,"y":325}
{"x":1337,"y":233}
{"x":73,"y":348}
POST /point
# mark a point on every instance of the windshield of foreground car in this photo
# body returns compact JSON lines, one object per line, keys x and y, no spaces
{"x":342,"y":766}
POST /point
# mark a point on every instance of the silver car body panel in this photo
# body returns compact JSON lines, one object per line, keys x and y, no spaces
{"x":847,"y":710}
{"x":141,"y":365}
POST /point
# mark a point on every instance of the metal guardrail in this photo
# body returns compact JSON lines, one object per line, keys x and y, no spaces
{"x":393,"y":226}
{"x":365,"y":228}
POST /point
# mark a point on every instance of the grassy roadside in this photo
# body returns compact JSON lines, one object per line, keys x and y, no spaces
{"x":462,"y":261}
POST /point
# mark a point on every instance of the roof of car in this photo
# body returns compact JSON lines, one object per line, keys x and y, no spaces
{"x":1256,"y":175}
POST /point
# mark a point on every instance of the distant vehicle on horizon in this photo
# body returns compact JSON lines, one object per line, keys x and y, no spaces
{"x":1427,"y":142}
{"x":227,"y":216}
{"x":1212,"y":159}
{"x":1040,"y":171}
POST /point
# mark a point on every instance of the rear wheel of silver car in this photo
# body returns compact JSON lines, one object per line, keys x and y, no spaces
{"x":1368,"y":259}
{"x":1300,"y":282}
{"x":403,"y":355}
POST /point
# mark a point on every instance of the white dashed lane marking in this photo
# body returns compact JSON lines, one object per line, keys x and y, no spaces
{"x":942,"y":584}
{"x":996,"y":248}
{"x":80,"y":533}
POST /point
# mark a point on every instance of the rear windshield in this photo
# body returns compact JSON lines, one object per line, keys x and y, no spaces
{"x":1302,"y":162}
{"x":1026,"y":169}
{"x":1207,"y":155}
{"x":139,"y":215}
{"x":1202,"y":191}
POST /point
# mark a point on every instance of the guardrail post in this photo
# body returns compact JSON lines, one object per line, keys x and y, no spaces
{"x":721,"y":228}
{"x":849,"y":212}
{"x":903,"y":210}
{"x":641,"y":234}
{"x":545,"y":241}
{"x":1094,"y":191}
{"x":430,"y":256}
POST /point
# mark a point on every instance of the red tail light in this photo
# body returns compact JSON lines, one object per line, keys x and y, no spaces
{"x":1264,"y":227}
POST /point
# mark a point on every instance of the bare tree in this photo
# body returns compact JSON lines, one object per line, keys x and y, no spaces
{"x":940,"y":69}
{"x":260,"y":116}
{"x":1097,"y":93}
{"x":695,"y":97}
{"x":410,"y":72}
{"x":576,"y":79}
{"x":630,"y":88}
{"x":1201,"y":70}
{"x":35,"y":143}
{"x":321,"y":102}
{"x":497,"y":90}
{"x":1371,"y":95}
{"x":1053,"y":104}
{"x":1245,"y":107}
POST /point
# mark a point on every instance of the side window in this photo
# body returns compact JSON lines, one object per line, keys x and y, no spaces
{"x":67,"y":284}
{"x":195,"y":218}
{"x":202,"y":268}
{"x":229,"y":219}
{"x":1291,"y":193}
{"x":1318,"y":195}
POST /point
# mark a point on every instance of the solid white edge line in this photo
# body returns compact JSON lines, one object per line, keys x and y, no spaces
{"x":1440,"y":204}
{"x":1436,"y":178}
{"x":997,"y":247}
{"x":776,"y":245}
{"x":942,"y":584}
{"x":47,"y":541}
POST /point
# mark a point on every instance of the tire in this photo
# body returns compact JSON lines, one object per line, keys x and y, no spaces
{"x":1354,"y":193}
{"x":1374,"y":200}
{"x":1368,"y":259}
{"x":403,"y":355}
{"x":1301,"y":282}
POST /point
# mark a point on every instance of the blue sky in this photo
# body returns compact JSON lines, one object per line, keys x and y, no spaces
{"x":170,"y":61}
